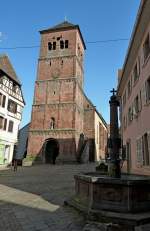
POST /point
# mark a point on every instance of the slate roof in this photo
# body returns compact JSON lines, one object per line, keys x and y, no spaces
{"x":63,"y":25}
{"x":6,"y":67}
{"x":60,"y":26}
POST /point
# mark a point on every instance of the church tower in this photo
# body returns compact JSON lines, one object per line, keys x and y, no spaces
{"x":58,"y":110}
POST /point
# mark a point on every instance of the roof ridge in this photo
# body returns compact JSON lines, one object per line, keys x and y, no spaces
{"x":63,"y":24}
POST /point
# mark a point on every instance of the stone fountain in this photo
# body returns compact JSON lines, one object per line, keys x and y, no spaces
{"x":119,"y":199}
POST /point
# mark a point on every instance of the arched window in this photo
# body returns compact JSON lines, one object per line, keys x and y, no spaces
{"x":52,"y":123}
{"x":54,"y":45}
{"x":61,"y":44}
{"x":66,"y":43}
{"x":49,"y":46}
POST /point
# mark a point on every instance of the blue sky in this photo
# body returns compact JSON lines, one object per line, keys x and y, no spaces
{"x":20,"y":22}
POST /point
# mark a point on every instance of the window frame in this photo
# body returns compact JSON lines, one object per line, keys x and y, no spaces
{"x":10,"y":126}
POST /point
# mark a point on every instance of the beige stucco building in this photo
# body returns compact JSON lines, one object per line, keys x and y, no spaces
{"x":134,"y":93}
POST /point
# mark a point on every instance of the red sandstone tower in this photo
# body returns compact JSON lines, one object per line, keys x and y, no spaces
{"x":58,"y":111}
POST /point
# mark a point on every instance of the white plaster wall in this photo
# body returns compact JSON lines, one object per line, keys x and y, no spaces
{"x":10,"y":138}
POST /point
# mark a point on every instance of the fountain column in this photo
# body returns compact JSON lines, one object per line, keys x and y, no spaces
{"x":114,"y":141}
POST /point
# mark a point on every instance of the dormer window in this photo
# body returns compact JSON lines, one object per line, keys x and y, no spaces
{"x":66,"y":43}
{"x":49,"y":46}
{"x":61,"y":44}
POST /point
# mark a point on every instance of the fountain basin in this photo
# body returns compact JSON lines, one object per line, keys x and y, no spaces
{"x":128,"y":194}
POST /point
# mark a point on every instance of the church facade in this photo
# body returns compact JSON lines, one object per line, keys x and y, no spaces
{"x":64,"y":122}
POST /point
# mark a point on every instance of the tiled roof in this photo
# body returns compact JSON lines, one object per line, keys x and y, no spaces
{"x":6,"y":66}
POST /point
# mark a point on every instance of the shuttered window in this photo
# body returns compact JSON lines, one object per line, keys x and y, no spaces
{"x":143,"y":149}
{"x":143,"y":94}
{"x":10,"y":126}
{"x":1,"y":96}
{"x":148,"y":90}
{"x":4,"y":101}
{"x":148,"y":139}
{"x":146,"y":157}
{"x":1,"y":122}
{"x":135,"y":73}
{"x":139,"y":151}
{"x":5,"y":124}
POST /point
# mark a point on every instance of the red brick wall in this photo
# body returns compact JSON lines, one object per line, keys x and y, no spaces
{"x":57,"y":94}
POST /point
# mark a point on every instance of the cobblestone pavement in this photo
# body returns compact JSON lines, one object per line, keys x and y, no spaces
{"x":31,"y":199}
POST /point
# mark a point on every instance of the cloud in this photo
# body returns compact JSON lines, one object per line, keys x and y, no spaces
{"x":1,"y":34}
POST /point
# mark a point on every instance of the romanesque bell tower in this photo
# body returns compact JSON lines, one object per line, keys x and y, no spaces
{"x":57,"y":112}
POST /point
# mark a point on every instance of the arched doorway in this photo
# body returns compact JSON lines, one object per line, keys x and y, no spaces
{"x":51,"y":151}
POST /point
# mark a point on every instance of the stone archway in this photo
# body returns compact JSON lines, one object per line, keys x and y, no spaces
{"x":51,"y":151}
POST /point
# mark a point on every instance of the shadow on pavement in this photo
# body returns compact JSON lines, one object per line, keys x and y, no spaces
{"x":33,"y":197}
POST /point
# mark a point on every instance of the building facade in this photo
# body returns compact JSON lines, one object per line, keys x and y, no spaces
{"x":134,"y":94}
{"x":11,"y":106}
{"x":58,"y":112}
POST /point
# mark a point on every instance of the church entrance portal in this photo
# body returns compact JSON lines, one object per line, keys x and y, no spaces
{"x":51,"y":151}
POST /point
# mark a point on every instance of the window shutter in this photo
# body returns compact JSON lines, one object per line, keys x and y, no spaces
{"x":1,"y":96}
{"x":134,"y":108}
{"x":10,"y":127}
{"x":139,"y":151}
{"x":140,"y":101}
{"x":148,"y":138}
{"x":1,"y":122}
{"x":146,"y":91}
{"x":5,"y":124}
{"x":131,"y":80}
{"x":4,"y":100}
{"x":138,"y":65}
{"x":143,"y":93}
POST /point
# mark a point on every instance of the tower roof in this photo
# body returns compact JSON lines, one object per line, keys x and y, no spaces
{"x":64,"y":26}
{"x":6,"y":67}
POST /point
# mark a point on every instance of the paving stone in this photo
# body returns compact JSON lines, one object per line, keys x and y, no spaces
{"x":143,"y":228}
{"x":32,"y":198}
